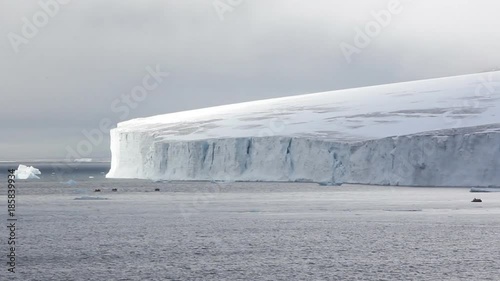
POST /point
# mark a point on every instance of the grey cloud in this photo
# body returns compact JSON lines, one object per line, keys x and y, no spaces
{"x":92,"y":52}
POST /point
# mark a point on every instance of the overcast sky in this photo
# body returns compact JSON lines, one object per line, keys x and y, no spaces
{"x":84,"y":56}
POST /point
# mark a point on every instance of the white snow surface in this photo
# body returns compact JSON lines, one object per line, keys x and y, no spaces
{"x":436,"y":132}
{"x":24,"y":172}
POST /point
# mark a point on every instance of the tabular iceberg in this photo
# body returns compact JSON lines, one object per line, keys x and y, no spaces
{"x":438,"y":132}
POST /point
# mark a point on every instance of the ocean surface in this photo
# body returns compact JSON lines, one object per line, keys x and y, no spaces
{"x":244,"y":231}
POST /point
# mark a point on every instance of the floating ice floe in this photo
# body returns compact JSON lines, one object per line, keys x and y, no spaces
{"x":485,"y":189}
{"x":24,"y":172}
{"x":90,"y":198}
{"x":83,"y":160}
{"x":70,"y":182}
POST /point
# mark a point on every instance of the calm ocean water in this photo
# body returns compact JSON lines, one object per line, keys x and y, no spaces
{"x":245,"y":231}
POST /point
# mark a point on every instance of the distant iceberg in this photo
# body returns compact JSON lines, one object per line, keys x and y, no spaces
{"x":86,"y":160}
{"x":24,"y":172}
{"x":90,"y":198}
{"x":485,"y":189}
{"x":71,"y":182}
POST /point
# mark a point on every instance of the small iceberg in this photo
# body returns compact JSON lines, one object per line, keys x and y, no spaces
{"x":90,"y":198}
{"x":24,"y":172}
{"x":485,"y":189}
{"x":70,"y":182}
{"x":83,"y":160}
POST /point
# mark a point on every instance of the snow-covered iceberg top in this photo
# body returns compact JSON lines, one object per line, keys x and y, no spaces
{"x":345,"y":115}
{"x":24,"y":172}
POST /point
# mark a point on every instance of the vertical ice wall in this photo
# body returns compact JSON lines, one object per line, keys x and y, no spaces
{"x":459,"y":159}
{"x":428,"y":160}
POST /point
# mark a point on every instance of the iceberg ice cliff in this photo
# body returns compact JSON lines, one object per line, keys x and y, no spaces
{"x":438,"y":132}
